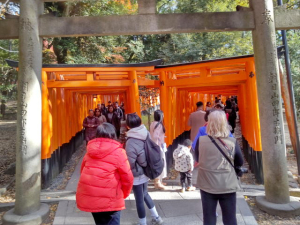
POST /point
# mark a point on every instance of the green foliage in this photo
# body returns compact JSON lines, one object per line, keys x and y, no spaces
{"x":293,"y":37}
{"x":194,"y":6}
{"x":8,"y":75}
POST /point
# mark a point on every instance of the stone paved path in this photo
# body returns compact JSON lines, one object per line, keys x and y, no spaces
{"x":174,"y":207}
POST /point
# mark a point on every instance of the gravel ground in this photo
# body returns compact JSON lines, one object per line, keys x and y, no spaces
{"x":263,"y":218}
{"x":50,"y":219}
{"x":7,"y":149}
{"x":61,"y":181}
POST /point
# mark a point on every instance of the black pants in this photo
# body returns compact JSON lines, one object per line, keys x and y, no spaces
{"x":107,"y":218}
{"x":118,"y":133}
{"x":186,"y":176}
{"x":141,"y":195}
{"x":228,"y":207}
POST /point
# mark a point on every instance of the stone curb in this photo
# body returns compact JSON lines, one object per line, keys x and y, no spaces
{"x":10,"y":218}
{"x":284,"y":210}
{"x":7,"y":206}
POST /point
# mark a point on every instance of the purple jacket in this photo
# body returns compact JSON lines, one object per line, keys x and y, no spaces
{"x":90,"y":124}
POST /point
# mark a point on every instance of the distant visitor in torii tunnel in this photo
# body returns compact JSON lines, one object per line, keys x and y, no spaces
{"x":90,"y":123}
{"x":103,"y":109}
{"x":118,"y":111}
{"x":208,"y":106}
{"x":98,"y":107}
{"x":122,"y":107}
{"x":112,"y":118}
{"x":100,"y":116}
{"x":196,"y":120}
{"x":230,"y":110}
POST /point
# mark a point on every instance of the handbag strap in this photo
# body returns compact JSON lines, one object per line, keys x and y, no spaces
{"x":224,"y":144}
{"x":222,"y":152}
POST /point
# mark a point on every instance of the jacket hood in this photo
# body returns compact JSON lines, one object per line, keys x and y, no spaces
{"x":182,"y":151}
{"x":140,"y":132}
{"x":101,"y":147}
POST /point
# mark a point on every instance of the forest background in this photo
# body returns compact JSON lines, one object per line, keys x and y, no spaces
{"x":172,"y":48}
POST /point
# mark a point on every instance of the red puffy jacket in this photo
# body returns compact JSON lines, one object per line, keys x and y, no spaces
{"x":106,"y":178}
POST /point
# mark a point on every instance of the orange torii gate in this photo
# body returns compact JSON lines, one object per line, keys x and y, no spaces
{"x":184,"y":84}
{"x":69,"y":91}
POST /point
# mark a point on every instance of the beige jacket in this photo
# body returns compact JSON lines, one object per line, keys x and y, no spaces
{"x":101,"y":119}
{"x":157,"y":135}
{"x":196,"y":121}
{"x":215,"y":174}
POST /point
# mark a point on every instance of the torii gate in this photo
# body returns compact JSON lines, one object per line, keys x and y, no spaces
{"x":32,"y":26}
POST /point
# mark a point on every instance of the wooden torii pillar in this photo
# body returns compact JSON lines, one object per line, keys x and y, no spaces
{"x":134,"y":96}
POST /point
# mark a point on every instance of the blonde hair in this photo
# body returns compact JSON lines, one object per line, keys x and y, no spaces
{"x":217,"y":124}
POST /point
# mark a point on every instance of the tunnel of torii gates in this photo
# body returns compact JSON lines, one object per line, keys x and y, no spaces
{"x":180,"y":87}
{"x":69,"y":91}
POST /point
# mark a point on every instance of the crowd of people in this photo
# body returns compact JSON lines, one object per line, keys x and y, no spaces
{"x":110,"y":170}
{"x":111,"y":113}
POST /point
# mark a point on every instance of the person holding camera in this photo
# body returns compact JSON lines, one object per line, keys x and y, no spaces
{"x":220,"y":161}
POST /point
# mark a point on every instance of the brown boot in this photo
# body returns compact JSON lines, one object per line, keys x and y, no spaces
{"x":158,"y":185}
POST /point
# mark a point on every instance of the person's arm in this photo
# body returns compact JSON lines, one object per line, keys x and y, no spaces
{"x":131,"y":153}
{"x":125,"y":173}
{"x":196,"y":139}
{"x":238,"y":156}
{"x":155,"y":134}
{"x":121,"y":114}
{"x":197,"y":151}
{"x":190,"y":162}
{"x":190,"y":121}
{"x":141,"y":158}
{"x":85,"y":123}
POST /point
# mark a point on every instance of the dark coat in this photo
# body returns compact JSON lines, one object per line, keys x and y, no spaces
{"x":119,"y":113}
{"x":104,"y":111}
{"x":114,"y":121}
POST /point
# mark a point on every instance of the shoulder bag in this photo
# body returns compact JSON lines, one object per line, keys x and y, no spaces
{"x":238,"y":170}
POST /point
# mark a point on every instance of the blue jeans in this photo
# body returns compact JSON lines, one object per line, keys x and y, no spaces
{"x":141,"y":195}
{"x":209,"y":207}
{"x":107,"y":218}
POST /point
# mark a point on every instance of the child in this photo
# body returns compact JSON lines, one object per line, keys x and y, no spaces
{"x":184,"y":164}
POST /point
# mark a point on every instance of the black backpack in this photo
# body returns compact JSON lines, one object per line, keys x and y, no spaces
{"x":155,"y":162}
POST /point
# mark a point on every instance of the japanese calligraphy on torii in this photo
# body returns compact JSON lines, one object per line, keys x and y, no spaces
{"x":267,"y":17}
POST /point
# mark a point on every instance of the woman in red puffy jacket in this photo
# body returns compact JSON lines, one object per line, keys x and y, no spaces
{"x":106,"y":178}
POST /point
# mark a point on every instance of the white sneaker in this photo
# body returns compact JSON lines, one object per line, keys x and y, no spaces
{"x":157,"y":221}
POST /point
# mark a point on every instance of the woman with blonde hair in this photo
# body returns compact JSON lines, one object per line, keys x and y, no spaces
{"x":217,"y":178}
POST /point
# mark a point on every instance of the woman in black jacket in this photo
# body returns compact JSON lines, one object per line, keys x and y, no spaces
{"x":112,"y":118}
